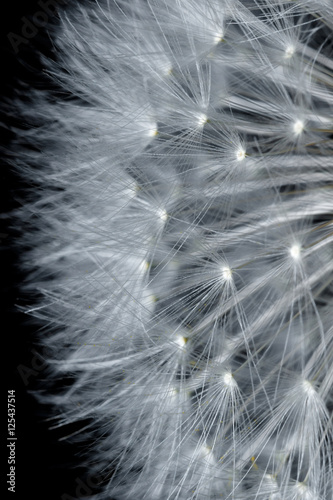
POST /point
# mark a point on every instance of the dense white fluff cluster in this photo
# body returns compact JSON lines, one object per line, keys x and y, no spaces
{"x":182,"y":244}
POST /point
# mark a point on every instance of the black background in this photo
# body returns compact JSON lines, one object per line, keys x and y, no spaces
{"x":46,"y":468}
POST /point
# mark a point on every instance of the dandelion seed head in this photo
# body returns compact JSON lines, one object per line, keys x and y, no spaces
{"x":206,"y":453}
{"x":162,"y":214}
{"x":148,"y":188}
{"x":270,"y":480}
{"x":218,"y":38}
{"x":295,"y":251}
{"x":202,"y":119}
{"x":181,"y":341}
{"x":308,"y":388}
{"x":133,"y":189}
{"x":148,"y":300}
{"x":240,"y":154}
{"x":143,"y":266}
{"x":152,"y":131}
{"x":229,"y":380}
{"x":166,"y":68}
{"x":298,"y":127}
{"x":226,"y":273}
{"x":289,"y":52}
{"x":275,"y":496}
{"x":171,"y":393}
{"x":303,"y":492}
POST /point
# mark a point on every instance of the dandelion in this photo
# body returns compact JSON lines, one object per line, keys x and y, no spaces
{"x":181,"y":243}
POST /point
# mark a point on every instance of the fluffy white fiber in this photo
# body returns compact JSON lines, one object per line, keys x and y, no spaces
{"x":181,"y":239}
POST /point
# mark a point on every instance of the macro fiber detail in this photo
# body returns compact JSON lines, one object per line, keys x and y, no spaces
{"x":180,"y":243}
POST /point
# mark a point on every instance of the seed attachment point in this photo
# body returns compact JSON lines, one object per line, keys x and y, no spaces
{"x":295,"y":251}
{"x":298,"y":127}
